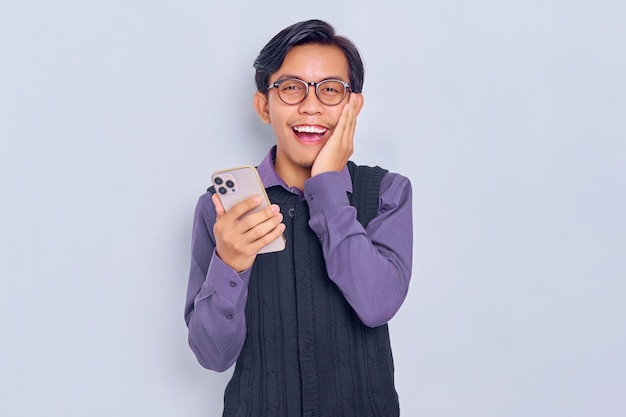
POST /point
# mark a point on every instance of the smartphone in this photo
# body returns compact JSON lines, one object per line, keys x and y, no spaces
{"x":234,"y":185}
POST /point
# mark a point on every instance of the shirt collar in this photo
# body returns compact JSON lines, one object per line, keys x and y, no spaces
{"x":270,"y":178}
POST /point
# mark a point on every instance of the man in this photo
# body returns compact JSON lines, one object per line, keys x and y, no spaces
{"x":307,"y":326}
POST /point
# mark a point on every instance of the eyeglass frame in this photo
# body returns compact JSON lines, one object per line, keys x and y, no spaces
{"x":277,"y":84}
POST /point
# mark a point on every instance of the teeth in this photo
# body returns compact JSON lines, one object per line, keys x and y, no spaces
{"x":309,"y":129}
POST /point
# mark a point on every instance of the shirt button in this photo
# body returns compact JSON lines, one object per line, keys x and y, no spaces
{"x":229,"y":316}
{"x":233,"y":283}
{"x":310,"y":197}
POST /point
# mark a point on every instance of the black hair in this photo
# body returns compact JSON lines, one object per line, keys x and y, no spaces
{"x":271,"y":57}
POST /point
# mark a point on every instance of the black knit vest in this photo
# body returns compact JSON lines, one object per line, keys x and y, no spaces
{"x":306,"y":352}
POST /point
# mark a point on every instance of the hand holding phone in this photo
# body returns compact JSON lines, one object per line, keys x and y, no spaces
{"x":245,"y":226}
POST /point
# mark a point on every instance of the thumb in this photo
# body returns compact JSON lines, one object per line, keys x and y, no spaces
{"x":219,"y":208}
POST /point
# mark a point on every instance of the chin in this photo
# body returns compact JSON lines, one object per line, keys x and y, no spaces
{"x":306,"y":163}
{"x":309,"y":159}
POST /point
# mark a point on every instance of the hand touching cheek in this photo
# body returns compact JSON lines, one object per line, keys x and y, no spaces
{"x":340,"y":145}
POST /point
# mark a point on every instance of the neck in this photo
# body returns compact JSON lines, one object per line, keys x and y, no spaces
{"x":293,"y":176}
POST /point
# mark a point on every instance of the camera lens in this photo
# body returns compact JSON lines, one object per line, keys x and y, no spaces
{"x":230,"y":184}
{"x":222,"y":190}
{"x":218,"y":181}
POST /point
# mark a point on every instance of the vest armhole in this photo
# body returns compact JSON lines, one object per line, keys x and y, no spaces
{"x":365,"y":190}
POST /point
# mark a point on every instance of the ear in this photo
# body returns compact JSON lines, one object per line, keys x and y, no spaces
{"x":261,"y":105}
{"x":360,"y":101}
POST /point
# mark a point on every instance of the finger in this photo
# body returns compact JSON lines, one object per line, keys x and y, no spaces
{"x":345,"y":127}
{"x":348,"y":119}
{"x":263,"y":227}
{"x":353,"y":109}
{"x":245,"y":206}
{"x":248,"y":236}
{"x":219,"y":207}
{"x":353,"y":115}
{"x":264,"y":239}
{"x":256,"y":219}
{"x":356,"y":101}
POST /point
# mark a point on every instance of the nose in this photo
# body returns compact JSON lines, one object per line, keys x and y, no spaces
{"x":311,"y":104}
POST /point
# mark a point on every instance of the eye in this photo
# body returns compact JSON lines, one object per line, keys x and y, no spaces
{"x":291,"y":86}
{"x":331,"y":88}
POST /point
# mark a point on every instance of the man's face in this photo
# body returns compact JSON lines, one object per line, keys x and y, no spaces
{"x":302,"y":129}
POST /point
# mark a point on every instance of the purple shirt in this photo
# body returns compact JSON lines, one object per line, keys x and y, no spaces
{"x":371,"y":267}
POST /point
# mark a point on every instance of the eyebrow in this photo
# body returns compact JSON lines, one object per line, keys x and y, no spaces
{"x":285,"y":76}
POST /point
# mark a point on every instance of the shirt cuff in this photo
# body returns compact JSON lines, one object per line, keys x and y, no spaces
{"x":324,"y":191}
{"x":225,"y":281}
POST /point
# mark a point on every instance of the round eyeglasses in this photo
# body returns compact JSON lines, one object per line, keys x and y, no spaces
{"x":294,"y":91}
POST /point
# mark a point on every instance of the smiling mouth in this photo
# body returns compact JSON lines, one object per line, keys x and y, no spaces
{"x":310,"y":133}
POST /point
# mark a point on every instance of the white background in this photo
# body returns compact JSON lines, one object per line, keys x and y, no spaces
{"x":508,"y":117}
